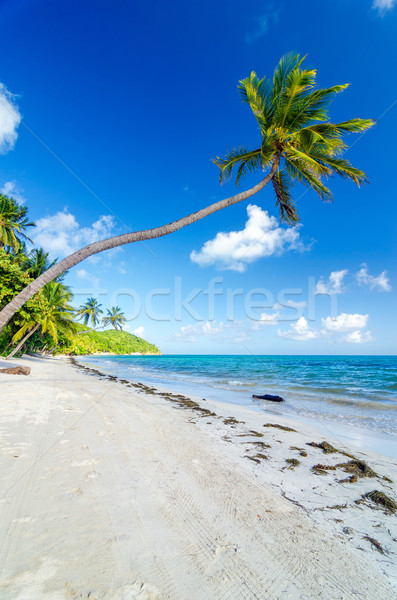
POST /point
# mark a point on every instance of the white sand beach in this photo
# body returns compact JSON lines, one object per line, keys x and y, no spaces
{"x":109,"y":492}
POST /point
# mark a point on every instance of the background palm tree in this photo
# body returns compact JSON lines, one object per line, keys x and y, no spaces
{"x":297,"y":143}
{"x":37,"y":262}
{"x":90,"y":311}
{"x":13,"y":223}
{"x":54,"y":316}
{"x":114,"y":317}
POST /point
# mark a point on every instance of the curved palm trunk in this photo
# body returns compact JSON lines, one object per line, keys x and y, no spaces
{"x":23,"y":340}
{"x":119,"y":240}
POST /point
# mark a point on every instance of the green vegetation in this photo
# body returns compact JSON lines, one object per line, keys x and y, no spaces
{"x":90,"y":311}
{"x":46,"y":322}
{"x":13,"y":223}
{"x":116,"y":342}
{"x":296,"y":136}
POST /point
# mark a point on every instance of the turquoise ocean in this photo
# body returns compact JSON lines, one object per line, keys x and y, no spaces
{"x":360,"y":391}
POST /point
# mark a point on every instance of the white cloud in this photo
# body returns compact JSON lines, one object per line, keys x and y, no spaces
{"x":262,"y":236}
{"x":188,"y":333}
{"x":61,"y":234}
{"x":300,"y":331}
{"x":351,"y":324}
{"x":11,"y":189}
{"x":266,"y":320}
{"x":358,"y":337}
{"x":334,"y":283}
{"x":345,"y":322}
{"x":234,"y":332}
{"x":383,"y":5}
{"x":381,"y":282}
{"x":10,"y":117}
{"x":139,"y":331}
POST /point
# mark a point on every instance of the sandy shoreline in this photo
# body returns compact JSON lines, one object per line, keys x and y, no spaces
{"x":110,"y":492}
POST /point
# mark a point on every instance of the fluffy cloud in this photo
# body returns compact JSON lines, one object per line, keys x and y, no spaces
{"x":345,"y":322}
{"x":300,"y":331}
{"x":10,"y":188}
{"x":139,"y":331}
{"x":358,"y":337}
{"x":352,"y":324}
{"x":188,"y":333}
{"x":383,"y":5}
{"x":262,"y":236}
{"x":266,"y":320}
{"x":61,"y":234}
{"x":381,"y":282}
{"x":10,"y":117}
{"x":334,"y":283}
{"x":234,"y":332}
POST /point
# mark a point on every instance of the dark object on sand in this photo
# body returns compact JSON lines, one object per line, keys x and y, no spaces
{"x":269,"y":397}
{"x":16,"y":371}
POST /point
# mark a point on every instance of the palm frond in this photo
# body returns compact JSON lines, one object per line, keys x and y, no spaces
{"x":298,"y":171}
{"x":24,"y":329}
{"x":313,"y":107}
{"x":297,"y":86}
{"x":332,"y":130}
{"x":246,"y":160}
{"x":342,"y":167}
{"x":284,"y":200}
{"x":316,"y":166}
{"x":256,"y":93}
{"x":287,"y":63}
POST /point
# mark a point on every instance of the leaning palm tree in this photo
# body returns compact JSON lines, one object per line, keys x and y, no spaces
{"x":114,"y":317}
{"x":89,"y":311}
{"x":297,"y":143}
{"x":13,"y":223}
{"x":55,"y":315}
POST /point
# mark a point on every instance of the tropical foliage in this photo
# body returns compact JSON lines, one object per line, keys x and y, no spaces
{"x":47,"y":321}
{"x":112,"y":341}
{"x":13,"y":223}
{"x":295,"y":134}
{"x":90,"y":311}
{"x":114,"y":317}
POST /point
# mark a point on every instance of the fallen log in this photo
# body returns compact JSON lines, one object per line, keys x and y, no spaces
{"x":16,"y":371}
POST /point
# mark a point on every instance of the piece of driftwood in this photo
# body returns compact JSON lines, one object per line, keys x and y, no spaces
{"x":268,"y":397}
{"x":16,"y":371}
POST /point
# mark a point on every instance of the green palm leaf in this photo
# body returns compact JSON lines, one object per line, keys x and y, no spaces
{"x":284,"y":201}
{"x":250,"y":159}
{"x":295,"y":133}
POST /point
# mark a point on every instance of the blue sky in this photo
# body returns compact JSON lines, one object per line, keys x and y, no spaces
{"x":122,"y":108}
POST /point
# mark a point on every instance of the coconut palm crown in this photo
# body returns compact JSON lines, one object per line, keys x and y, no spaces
{"x":114,"y":317}
{"x":90,"y":311}
{"x":13,"y":223}
{"x":296,"y":134}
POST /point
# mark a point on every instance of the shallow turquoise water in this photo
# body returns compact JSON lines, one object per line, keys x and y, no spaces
{"x":356,"y":390}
